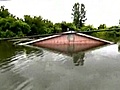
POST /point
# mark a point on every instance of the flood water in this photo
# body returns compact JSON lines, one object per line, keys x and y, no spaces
{"x":26,"y":68}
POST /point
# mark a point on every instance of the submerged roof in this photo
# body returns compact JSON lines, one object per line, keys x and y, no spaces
{"x":64,"y":33}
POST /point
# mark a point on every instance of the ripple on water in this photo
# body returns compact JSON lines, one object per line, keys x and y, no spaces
{"x":50,"y":70}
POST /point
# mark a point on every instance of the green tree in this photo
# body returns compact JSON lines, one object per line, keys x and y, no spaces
{"x":71,"y":26}
{"x":102,"y":26}
{"x":79,"y":15}
{"x":5,"y":23}
{"x":9,"y":33}
{"x":4,"y":12}
{"x":65,"y":26}
{"x":20,"y":28}
{"x":37,"y":24}
{"x":87,"y":28}
{"x":57,"y":28}
{"x":113,"y":27}
{"x":48,"y":26}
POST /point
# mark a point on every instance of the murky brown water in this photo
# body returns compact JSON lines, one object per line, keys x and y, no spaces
{"x":25,"y":68}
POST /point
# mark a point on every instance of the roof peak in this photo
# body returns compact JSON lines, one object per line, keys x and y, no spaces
{"x":70,"y":32}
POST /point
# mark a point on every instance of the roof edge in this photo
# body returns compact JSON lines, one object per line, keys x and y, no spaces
{"x":95,"y":38}
{"x":68,"y":32}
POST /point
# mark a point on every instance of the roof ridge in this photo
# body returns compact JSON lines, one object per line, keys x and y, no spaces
{"x":68,"y":32}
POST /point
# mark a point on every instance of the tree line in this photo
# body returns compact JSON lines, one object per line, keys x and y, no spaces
{"x":12,"y":26}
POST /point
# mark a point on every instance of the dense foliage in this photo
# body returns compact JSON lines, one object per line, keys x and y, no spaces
{"x":12,"y":26}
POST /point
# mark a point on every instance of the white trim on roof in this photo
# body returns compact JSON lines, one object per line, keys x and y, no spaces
{"x":81,"y":34}
{"x":30,"y":42}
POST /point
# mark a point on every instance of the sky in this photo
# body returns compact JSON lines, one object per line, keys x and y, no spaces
{"x":98,"y":11}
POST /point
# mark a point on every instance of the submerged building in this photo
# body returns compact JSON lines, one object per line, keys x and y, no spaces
{"x":68,"y":38}
{"x":70,"y":41}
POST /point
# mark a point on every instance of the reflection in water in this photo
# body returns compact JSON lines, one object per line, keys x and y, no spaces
{"x":119,"y":47}
{"x":76,"y":51}
{"x":11,"y":55}
{"x":19,"y":55}
{"x":13,"y":59}
{"x":26,"y":68}
{"x":8,"y":51}
{"x":78,"y":58}
{"x":69,"y":48}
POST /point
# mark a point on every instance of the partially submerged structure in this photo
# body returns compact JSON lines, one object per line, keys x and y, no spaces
{"x":69,"y":43}
{"x":68,"y":38}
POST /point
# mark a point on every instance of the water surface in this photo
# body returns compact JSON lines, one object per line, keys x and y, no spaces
{"x":25,"y":68}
